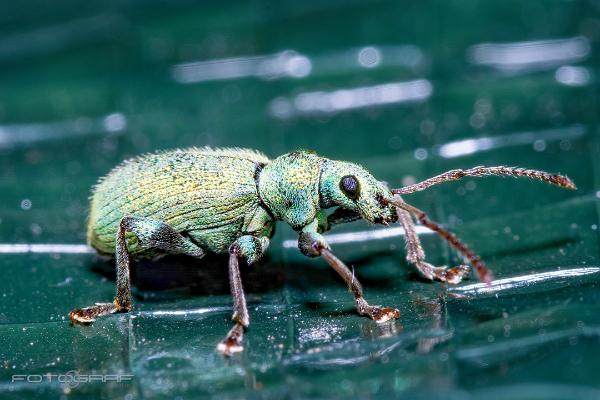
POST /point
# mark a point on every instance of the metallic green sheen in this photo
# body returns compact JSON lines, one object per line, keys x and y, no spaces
{"x":296,"y":186}
{"x":215,"y":196}
{"x":209,"y":195}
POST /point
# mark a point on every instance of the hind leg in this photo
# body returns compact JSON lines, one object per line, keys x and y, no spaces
{"x":151,"y":234}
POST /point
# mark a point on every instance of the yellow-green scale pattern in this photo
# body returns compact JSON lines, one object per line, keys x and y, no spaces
{"x":208,"y":194}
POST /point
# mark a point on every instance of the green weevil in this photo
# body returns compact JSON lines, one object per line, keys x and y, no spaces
{"x":201,"y":200}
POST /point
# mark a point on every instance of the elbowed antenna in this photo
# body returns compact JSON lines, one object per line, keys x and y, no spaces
{"x":455,"y":174}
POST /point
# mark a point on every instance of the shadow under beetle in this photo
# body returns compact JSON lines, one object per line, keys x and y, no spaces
{"x":202,"y":200}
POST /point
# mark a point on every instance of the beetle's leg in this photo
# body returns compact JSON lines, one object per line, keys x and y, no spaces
{"x":313,"y":244}
{"x":482,"y":271}
{"x":455,"y":174}
{"x":150,"y":234}
{"x":233,"y":341}
{"x":416,"y":256}
{"x":250,"y":248}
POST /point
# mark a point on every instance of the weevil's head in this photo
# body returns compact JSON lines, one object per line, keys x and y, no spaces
{"x":351,"y":187}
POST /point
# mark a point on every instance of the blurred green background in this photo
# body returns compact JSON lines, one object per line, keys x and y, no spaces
{"x":408,"y":89}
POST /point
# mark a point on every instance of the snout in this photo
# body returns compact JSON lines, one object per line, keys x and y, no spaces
{"x":384,"y":215}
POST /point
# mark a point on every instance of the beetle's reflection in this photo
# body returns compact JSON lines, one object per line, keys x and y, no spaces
{"x":439,"y":332}
{"x":427,"y":337}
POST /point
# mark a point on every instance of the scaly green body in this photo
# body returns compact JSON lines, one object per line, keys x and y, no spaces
{"x":228,"y":200}
{"x":208,"y":195}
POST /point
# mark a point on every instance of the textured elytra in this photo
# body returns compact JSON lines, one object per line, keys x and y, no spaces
{"x":208,"y":194}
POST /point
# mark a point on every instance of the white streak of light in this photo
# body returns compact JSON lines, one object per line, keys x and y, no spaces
{"x":322,"y":102}
{"x":26,"y":133}
{"x":198,"y":311}
{"x":470,"y":146}
{"x":54,"y":248}
{"x":287,"y":63}
{"x":361,"y":236}
{"x":521,"y":281}
{"x":291,"y":64}
{"x":518,"y":56}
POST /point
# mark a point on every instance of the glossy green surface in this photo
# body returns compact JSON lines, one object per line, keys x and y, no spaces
{"x":83,"y":86}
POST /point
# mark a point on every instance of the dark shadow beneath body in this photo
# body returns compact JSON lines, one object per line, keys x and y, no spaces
{"x":174,"y":276}
{"x":178,"y":276}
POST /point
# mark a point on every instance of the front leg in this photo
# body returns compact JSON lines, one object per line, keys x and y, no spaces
{"x":416,"y":255}
{"x":313,"y":244}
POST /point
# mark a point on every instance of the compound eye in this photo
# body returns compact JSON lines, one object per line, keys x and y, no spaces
{"x":350,"y":186}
